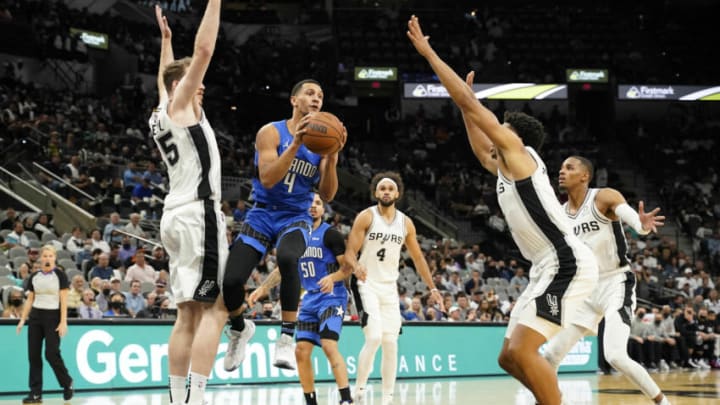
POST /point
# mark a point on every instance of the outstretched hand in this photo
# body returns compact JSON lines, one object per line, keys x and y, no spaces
{"x":470,"y":78}
{"x":419,"y":40}
{"x":650,"y":220}
{"x":165,"y":31}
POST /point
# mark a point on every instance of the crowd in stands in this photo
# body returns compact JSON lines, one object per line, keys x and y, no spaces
{"x":100,"y":146}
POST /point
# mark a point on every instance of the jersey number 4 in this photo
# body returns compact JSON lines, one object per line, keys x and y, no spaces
{"x":169,"y":149}
{"x":381,"y":254}
{"x":289,"y":181}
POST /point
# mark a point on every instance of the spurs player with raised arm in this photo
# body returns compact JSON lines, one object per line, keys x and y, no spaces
{"x":378,"y":233}
{"x":564,"y":271}
{"x":598,"y":216}
{"x":192,"y":227}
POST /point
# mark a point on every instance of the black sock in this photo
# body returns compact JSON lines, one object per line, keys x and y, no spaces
{"x":310,"y":398}
{"x":237,"y":323}
{"x":345,"y":395}
{"x":288,"y":328}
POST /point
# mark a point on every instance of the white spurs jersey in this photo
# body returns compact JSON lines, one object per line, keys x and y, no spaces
{"x":381,"y":249}
{"x":191,"y":156}
{"x":536,"y":219}
{"x":606,"y":238}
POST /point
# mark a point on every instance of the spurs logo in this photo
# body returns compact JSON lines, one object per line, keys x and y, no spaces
{"x":206,"y":287}
{"x":552,"y":302}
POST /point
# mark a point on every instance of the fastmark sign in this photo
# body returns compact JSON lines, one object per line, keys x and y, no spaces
{"x":668,"y":92}
{"x":384,"y":74}
{"x":91,"y":38}
{"x":587,"y":75}
{"x":507,"y":91}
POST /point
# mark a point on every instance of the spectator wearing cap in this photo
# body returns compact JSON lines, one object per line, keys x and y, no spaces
{"x":159,"y":260}
{"x":141,"y":270}
{"x":686,"y":277}
{"x":161,"y":290}
{"x":115,"y":285}
{"x":102,"y":269}
{"x":33,"y":256}
{"x":134,"y":299}
{"x":454,"y":314}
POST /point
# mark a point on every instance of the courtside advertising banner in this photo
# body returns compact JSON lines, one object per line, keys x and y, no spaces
{"x":668,"y":92}
{"x":507,"y":91}
{"x":106,"y":356}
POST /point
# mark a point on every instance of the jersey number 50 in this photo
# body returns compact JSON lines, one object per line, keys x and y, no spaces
{"x":308,"y":269}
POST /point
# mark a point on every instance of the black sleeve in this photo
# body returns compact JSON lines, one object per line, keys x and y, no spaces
{"x":30,"y":286}
{"x":334,"y":241}
{"x":62,"y":277}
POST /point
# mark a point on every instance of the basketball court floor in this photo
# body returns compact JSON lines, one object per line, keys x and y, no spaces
{"x":682,"y":388}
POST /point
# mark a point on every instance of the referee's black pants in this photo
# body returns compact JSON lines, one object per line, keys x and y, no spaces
{"x":41,"y":325}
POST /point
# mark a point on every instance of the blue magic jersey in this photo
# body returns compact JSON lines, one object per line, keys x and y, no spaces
{"x":319,"y":261}
{"x":295,"y":189}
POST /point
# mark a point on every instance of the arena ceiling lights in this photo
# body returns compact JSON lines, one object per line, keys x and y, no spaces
{"x":668,"y":92}
{"x":507,"y":91}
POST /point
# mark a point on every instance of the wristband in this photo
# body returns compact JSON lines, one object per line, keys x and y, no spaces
{"x":628,"y":215}
{"x":432,"y":290}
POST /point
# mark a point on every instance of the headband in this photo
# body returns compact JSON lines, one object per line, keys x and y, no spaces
{"x":387,"y":179}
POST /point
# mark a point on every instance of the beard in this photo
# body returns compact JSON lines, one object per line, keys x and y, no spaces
{"x":386,"y":203}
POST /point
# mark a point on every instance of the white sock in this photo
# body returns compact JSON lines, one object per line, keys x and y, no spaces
{"x":178,"y":389}
{"x":197,"y":389}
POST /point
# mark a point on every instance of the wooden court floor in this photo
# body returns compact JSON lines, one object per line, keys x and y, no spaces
{"x":682,"y":388}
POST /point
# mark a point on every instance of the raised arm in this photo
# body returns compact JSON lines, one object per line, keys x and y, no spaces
{"x":204,"y":47}
{"x":355,"y":242}
{"x":328,"y":173}
{"x":481,"y":145}
{"x":505,"y":140}
{"x":612,"y":204}
{"x":166,"y":52}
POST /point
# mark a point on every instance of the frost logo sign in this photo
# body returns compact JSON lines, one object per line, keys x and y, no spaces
{"x":419,"y":91}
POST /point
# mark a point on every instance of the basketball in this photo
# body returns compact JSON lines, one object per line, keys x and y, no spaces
{"x":324,"y":133}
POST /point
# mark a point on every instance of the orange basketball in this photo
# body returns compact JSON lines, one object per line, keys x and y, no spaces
{"x":324,"y":133}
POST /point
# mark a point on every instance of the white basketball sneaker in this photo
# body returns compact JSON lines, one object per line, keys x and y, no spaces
{"x":237,"y":342}
{"x":285,"y":353}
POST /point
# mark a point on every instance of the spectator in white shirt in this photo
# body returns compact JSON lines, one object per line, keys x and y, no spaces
{"x":133,"y":227}
{"x":76,"y":242}
{"x":17,"y":237}
{"x":141,"y":271}
{"x":98,"y":242}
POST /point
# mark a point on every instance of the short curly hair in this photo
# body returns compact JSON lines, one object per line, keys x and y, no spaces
{"x":394,"y":176}
{"x":530,"y":130}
